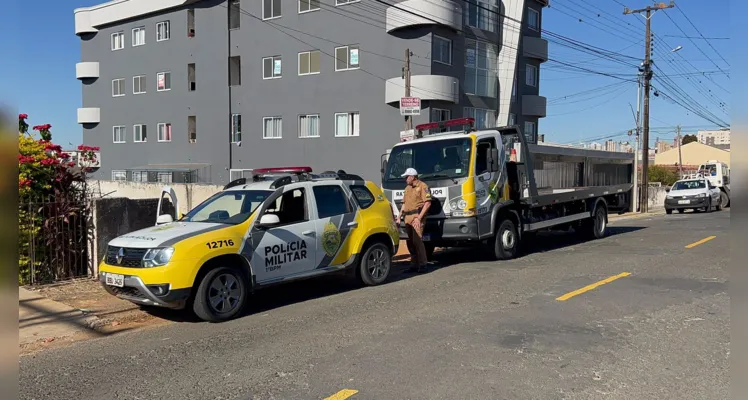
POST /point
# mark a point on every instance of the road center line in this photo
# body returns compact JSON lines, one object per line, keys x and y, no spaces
{"x":342,"y":395}
{"x":702,"y":241}
{"x":587,"y":288}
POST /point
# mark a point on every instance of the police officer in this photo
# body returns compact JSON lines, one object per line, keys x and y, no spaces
{"x":416,"y":203}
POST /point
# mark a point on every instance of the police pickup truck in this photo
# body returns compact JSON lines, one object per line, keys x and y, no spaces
{"x":252,"y":235}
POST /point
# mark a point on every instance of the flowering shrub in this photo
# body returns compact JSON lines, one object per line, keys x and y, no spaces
{"x":52,"y":193}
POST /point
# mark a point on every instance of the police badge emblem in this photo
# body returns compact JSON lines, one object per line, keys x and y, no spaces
{"x":331,"y":239}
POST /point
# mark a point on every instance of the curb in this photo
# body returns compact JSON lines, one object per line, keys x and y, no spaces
{"x":631,"y":215}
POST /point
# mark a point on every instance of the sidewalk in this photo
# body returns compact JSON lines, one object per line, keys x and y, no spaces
{"x":42,"y":319}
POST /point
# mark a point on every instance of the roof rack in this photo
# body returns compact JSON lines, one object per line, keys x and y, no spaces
{"x":286,"y":180}
{"x":448,"y":123}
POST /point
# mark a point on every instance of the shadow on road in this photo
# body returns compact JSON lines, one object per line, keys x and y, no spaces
{"x":315,"y":288}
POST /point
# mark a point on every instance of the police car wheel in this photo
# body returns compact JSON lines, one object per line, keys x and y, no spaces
{"x":221,"y":295}
{"x":375,"y":264}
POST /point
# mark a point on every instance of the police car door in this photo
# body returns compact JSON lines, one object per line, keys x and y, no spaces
{"x":286,"y":248}
{"x":336,"y":218}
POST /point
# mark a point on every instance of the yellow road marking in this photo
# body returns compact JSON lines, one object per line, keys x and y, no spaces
{"x":587,"y":288}
{"x":342,"y":395}
{"x":702,"y":241}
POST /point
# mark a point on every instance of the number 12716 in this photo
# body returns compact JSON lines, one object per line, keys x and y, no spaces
{"x":220,"y":243}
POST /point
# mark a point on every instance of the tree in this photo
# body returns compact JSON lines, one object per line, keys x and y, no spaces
{"x":662,"y":174}
{"x":688,"y":139}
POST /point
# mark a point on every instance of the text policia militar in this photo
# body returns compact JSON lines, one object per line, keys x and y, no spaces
{"x":279,"y":254}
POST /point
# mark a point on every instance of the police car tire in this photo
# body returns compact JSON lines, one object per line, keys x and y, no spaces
{"x":201,"y":305}
{"x":363,"y":271}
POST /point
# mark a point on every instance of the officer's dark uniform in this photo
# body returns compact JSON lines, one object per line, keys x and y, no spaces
{"x":413,"y":201}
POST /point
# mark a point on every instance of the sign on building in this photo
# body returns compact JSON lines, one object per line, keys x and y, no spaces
{"x":410,"y":106}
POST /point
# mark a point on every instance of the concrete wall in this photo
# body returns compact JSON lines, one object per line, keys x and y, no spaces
{"x":188,"y":195}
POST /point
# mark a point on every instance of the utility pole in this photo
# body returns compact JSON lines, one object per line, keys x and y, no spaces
{"x":680,"y":155}
{"x":647,"y":78}
{"x":406,"y":76}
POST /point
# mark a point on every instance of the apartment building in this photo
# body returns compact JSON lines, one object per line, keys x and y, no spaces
{"x":714,"y":137}
{"x":197,"y":91}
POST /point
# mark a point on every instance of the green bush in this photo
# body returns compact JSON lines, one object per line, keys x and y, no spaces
{"x":662,"y":174}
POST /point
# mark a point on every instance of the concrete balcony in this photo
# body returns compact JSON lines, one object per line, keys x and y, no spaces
{"x":423,"y":12}
{"x":86,"y":70}
{"x":426,"y":87}
{"x":89,"y":115}
{"x":535,"y":47}
{"x":533,"y":106}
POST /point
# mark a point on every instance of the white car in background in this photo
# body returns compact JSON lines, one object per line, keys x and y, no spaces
{"x":694,"y":194}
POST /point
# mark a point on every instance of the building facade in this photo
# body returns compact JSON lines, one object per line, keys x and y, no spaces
{"x":714,"y":137}
{"x":197,"y":91}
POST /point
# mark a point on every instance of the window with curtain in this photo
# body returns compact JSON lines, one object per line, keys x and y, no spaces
{"x":347,"y":124}
{"x":273,"y":128}
{"x":309,"y":126}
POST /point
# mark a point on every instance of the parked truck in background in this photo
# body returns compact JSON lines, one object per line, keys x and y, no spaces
{"x":718,"y":174}
{"x":492,"y":189}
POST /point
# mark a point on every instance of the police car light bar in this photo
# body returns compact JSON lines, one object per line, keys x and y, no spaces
{"x":444,"y":124}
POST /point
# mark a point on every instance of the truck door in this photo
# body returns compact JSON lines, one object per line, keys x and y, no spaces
{"x":167,"y":205}
{"x":288,"y":247}
{"x":487,"y":185}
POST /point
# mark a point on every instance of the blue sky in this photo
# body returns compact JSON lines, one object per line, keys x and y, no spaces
{"x":48,"y":91}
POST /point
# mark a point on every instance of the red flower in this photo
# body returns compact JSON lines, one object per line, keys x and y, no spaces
{"x":64,"y":155}
{"x":71,"y":164}
{"x":23,"y":116}
{"x":37,"y":127}
{"x":24,"y":182}
{"x":49,"y":161}
{"x":25,"y":159}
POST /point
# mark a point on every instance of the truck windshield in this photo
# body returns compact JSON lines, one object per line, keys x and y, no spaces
{"x":434,"y":159}
{"x":708,"y":170}
{"x":686,"y":185}
{"x":229,"y":207}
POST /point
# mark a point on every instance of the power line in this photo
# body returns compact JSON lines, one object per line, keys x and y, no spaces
{"x":700,"y":34}
{"x":698,"y":37}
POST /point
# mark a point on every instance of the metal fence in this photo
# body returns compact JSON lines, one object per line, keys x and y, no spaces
{"x":54,"y":239}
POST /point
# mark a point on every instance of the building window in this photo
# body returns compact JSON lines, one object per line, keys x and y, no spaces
{"x":163,"y":81}
{"x":271,"y":67}
{"x":271,"y":9}
{"x":192,"y":129}
{"x":164,"y":177}
{"x":138,"y":84}
{"x":118,"y":87}
{"x":346,"y":58}
{"x":344,"y":2}
{"x":438,"y":114}
{"x":272,"y":128}
{"x":481,"y":76}
{"x":308,"y":5}
{"x":530,"y":131}
{"x":164,"y":132}
{"x":347,"y":124}
{"x":139,"y":134}
{"x":162,"y":31}
{"x":514,"y":88}
{"x":235,"y":14}
{"x":118,"y":41}
{"x":235,"y":71}
{"x":531,"y":75}
{"x":138,"y":36}
{"x":512,"y":119}
{"x":484,"y":119}
{"x":442,"y":50}
{"x":118,"y":134}
{"x":191,"y":22}
{"x":309,"y":62}
{"x":309,"y":126}
{"x":119,"y":175}
{"x":139,"y":176}
{"x":482,"y":14}
{"x":191,"y":77}
{"x":533,"y":19}
{"x":236,"y":128}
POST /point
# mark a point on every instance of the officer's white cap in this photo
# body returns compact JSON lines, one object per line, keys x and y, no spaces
{"x":410,"y":172}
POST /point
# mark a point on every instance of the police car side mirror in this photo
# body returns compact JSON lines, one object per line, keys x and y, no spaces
{"x":164,"y":219}
{"x":269,"y":220}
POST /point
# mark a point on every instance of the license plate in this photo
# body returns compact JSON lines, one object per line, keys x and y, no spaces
{"x":684,"y":201}
{"x":115,"y":280}
{"x":426,"y":238}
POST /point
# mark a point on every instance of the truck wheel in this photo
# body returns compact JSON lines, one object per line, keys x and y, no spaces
{"x":724,"y":200}
{"x":506,"y":241}
{"x":221,"y":295}
{"x":597,"y":226}
{"x":375,"y":264}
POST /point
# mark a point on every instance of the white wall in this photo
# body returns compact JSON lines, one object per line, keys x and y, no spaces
{"x":189,"y":195}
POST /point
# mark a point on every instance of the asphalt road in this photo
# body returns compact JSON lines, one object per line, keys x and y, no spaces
{"x":467,"y":330}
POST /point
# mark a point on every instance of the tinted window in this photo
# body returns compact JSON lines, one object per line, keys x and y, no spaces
{"x":363,"y":196}
{"x":331,"y":201}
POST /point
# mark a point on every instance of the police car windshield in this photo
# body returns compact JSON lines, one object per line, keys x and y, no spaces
{"x":436,"y":159}
{"x":228,"y":207}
